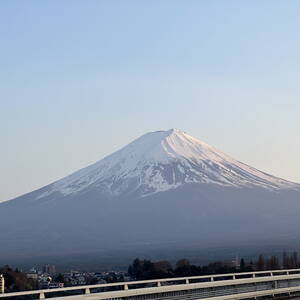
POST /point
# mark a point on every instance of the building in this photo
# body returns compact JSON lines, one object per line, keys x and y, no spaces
{"x":1,"y":284}
{"x":49,"y":269}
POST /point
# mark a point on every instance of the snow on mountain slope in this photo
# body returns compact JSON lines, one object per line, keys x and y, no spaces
{"x":160,"y":161}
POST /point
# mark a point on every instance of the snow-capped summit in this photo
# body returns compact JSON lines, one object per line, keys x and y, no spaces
{"x":160,"y":161}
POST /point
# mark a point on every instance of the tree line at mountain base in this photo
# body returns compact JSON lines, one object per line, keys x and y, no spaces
{"x":142,"y":269}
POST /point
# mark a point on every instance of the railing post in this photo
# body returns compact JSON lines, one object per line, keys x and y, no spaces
{"x":211,"y":279}
{"x":287,"y":273}
{"x":253,"y":275}
{"x":87,"y":291}
{"x":271,"y":273}
{"x":187,"y":281}
{"x":158,"y":283}
{"x":42,"y":295}
{"x":125,"y":286}
{"x":233,"y":277}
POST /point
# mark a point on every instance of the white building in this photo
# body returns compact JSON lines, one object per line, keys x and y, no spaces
{"x":1,"y":284}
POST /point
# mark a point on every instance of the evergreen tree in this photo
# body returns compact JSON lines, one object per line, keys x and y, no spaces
{"x":295,"y":261}
{"x":285,"y":260}
{"x":272,"y":263}
{"x":182,"y":263}
{"x":260,"y":263}
{"x":242,"y":264}
{"x":60,"y":278}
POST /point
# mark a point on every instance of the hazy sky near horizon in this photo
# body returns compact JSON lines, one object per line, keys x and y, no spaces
{"x":80,"y":79}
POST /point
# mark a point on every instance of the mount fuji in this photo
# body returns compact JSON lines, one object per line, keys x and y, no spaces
{"x":163,"y":187}
{"x":160,"y":161}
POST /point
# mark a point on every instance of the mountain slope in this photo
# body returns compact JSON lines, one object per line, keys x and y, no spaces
{"x":159,"y":161}
{"x":164,"y":187}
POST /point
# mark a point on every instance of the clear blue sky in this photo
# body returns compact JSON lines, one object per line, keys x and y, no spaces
{"x":80,"y":79}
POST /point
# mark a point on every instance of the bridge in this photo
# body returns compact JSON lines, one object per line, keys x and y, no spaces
{"x":251,"y":285}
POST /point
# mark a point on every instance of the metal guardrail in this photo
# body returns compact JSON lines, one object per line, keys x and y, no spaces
{"x":135,"y":288}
